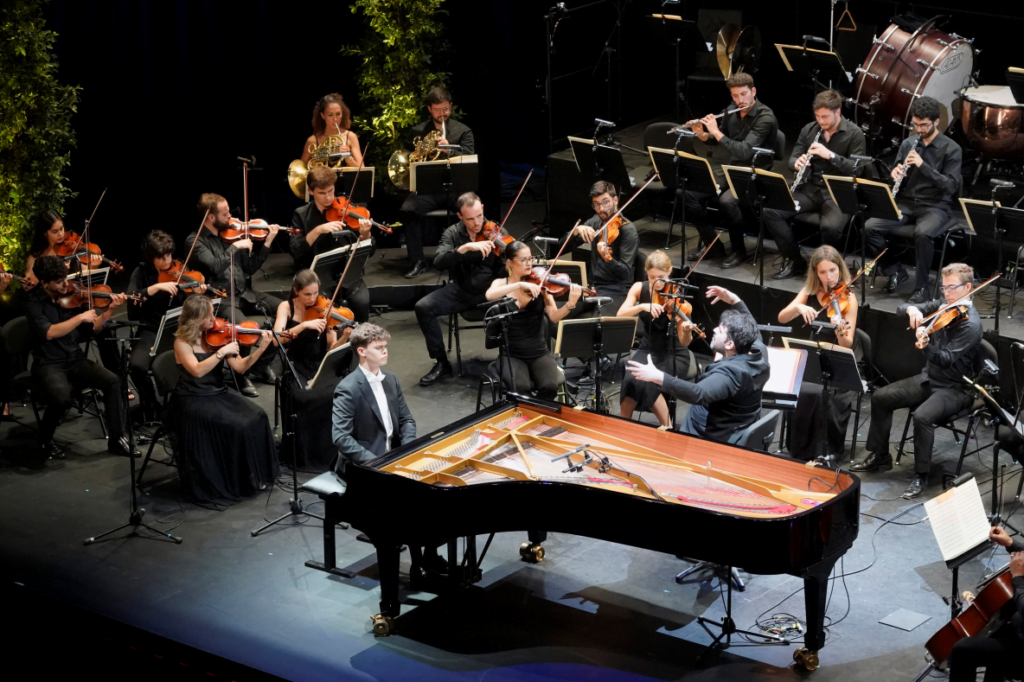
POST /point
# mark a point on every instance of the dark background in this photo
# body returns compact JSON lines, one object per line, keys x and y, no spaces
{"x":173,"y":92}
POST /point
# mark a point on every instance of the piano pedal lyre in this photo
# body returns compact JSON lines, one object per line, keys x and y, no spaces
{"x":531,"y":552}
{"x":381,"y":625}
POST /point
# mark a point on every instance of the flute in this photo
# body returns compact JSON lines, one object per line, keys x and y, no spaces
{"x":695,"y":121}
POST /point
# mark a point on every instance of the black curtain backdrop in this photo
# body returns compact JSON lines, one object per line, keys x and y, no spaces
{"x":174,"y":92}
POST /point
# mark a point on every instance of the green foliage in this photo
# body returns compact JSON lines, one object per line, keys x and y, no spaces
{"x":35,"y":126}
{"x":397,"y":67}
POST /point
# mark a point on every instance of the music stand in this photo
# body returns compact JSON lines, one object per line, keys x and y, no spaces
{"x":992,"y":220}
{"x":331,"y":263}
{"x":680,"y":171}
{"x":599,"y":162}
{"x":347,"y":176}
{"x":575,"y":270}
{"x":451,"y":177}
{"x":862,"y":199}
{"x":675,"y":30}
{"x":812,"y":63}
{"x":592,"y":337}
{"x":786,"y":368}
{"x":169,"y":323}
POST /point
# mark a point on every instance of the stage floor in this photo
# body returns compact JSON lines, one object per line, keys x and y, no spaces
{"x":591,"y":610}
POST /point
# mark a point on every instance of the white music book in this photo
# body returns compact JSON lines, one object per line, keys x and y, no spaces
{"x":323,"y":363}
{"x":958,"y":519}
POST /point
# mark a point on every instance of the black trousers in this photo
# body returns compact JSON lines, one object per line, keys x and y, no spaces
{"x":826,"y":215}
{"x":56,"y":383}
{"x":1002,"y":656}
{"x":931,"y":407}
{"x":539,"y":374}
{"x":414,"y":208}
{"x":697,"y":210}
{"x":927,"y":222}
{"x":820,"y":422}
{"x":139,"y":363}
{"x":449,"y":299}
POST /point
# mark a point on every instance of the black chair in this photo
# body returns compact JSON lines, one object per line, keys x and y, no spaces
{"x":973,"y":414}
{"x":471,"y":315}
{"x":165,"y":375}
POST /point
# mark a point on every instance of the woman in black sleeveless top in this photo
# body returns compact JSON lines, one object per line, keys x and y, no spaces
{"x":669,"y":355}
{"x":532,"y":365}
{"x":314,"y":447}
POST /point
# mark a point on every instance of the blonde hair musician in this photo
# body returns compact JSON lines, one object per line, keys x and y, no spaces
{"x":332,"y":118}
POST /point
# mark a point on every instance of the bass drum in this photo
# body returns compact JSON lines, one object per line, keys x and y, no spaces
{"x":992,"y":120}
{"x":904,"y":66}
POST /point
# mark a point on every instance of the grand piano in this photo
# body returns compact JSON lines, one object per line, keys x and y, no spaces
{"x":624,"y":482}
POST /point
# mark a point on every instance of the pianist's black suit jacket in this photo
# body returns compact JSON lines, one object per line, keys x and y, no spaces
{"x":358,"y":428}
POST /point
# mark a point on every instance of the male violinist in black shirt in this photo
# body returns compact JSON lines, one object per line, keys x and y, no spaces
{"x":317,"y":234}
{"x":939,"y":392}
{"x":925,"y":196}
{"x":837,"y":140}
{"x":60,"y":365}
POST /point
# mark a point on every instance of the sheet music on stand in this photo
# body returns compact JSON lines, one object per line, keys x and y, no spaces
{"x":169,"y":323}
{"x":777,"y":194}
{"x":600,"y":162}
{"x":330,"y":365}
{"x":981,"y":220}
{"x":94,"y":277}
{"x":364,"y":189}
{"x":786,"y":367}
{"x":877,"y":196}
{"x":429,"y":177}
{"x":575,"y":338}
{"x":843,"y":362}
{"x":331,"y":262}
{"x":958,"y":520}
{"x":814,"y":63}
{"x":695,"y":169}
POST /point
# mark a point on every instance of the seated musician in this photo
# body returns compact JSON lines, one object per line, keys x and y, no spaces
{"x":332,"y":118}
{"x":472,"y":265}
{"x":213,"y":257}
{"x":733,"y":140}
{"x":532,"y":365}
{"x":157,"y":258}
{"x":1000,"y":652}
{"x":225,"y":445}
{"x":937,"y":393}
{"x":669,"y":357}
{"x":818,"y":413}
{"x":726,"y":398}
{"x":827,"y":145}
{"x":317,"y":234}
{"x":313,"y":338}
{"x":47,"y":233}
{"x":925,"y":196}
{"x":612,"y":277}
{"x":416,"y":206}
{"x":60,"y":365}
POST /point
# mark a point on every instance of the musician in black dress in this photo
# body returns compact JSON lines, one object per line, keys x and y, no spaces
{"x":157,"y":257}
{"x":726,"y":398}
{"x":416,"y":206}
{"x":668,"y":356}
{"x":1002,"y":652}
{"x":212,"y":256}
{"x":472,"y":265}
{"x":317,"y":234}
{"x":47,"y":234}
{"x":530,"y":366}
{"x":925,"y":197}
{"x":821,"y":418}
{"x":225,"y":446}
{"x":314,"y":447}
{"x":937,"y":393}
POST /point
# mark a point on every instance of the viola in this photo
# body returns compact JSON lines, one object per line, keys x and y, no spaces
{"x":556,"y":285}
{"x":944,"y":319}
{"x":980,"y":618}
{"x":837,"y":302}
{"x":78,"y":295}
{"x":495,"y":234}
{"x":246,"y":333}
{"x":190,"y":282}
{"x":344,"y":211}
{"x":675,"y":306}
{"x":611,"y":233}
{"x":340,"y":317}
{"x":73,"y":247}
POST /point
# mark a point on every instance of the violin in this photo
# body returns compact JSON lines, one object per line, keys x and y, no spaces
{"x":72,"y":247}
{"x":495,"y":234}
{"x":946,"y":318}
{"x":245,"y":334}
{"x":675,"y":306}
{"x":611,"y":233}
{"x":190,"y":282}
{"x":78,"y":295}
{"x":257,"y":230}
{"x":837,"y":302}
{"x":556,"y":285}
{"x":340,"y":317}
{"x":344,"y":211}
{"x":981,"y":617}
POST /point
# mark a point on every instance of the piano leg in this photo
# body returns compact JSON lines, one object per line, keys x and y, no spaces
{"x":815,"y":600}
{"x":387,"y":568}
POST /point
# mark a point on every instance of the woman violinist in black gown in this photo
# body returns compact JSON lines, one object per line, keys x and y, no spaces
{"x":314,"y":447}
{"x":532,"y":364}
{"x":667,"y":356}
{"x":224,"y":442}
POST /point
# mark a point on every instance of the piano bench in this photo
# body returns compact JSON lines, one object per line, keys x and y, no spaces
{"x":328,"y":484}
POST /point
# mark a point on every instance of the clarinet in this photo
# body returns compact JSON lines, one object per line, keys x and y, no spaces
{"x":906,"y":168}
{"x":800,"y":174}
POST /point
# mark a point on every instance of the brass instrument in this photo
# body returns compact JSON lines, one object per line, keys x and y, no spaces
{"x":327,"y":153}
{"x":424,"y":149}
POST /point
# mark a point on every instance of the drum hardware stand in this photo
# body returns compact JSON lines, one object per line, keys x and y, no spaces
{"x":136,"y":513}
{"x":728,"y":627}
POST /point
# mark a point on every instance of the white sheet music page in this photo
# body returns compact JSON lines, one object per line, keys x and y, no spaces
{"x":958,"y":519}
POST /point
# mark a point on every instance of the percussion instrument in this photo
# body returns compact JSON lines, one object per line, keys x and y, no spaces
{"x":992,"y":121}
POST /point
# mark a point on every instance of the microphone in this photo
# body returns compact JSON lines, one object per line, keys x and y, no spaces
{"x":815,"y":39}
{"x":505,"y":300}
{"x":571,"y":453}
{"x":251,"y":160}
{"x":601,"y":123}
{"x":560,"y":9}
{"x":450,"y":147}
{"x":763,"y":151}
{"x":677,"y":282}
{"x":1001,"y":184}
{"x":992,"y":367}
{"x":599,"y":300}
{"x":546,"y":240}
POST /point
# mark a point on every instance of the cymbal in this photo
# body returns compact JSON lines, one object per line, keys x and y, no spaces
{"x":724,"y":46}
{"x":297,"y":178}
{"x":746,"y":54}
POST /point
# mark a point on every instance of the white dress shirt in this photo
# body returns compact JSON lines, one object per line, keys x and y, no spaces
{"x":377,"y":386}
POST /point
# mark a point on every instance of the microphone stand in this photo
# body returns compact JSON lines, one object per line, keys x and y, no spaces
{"x":503,"y":352}
{"x":599,"y":405}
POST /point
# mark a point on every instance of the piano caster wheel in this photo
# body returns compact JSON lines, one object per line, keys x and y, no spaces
{"x":532,"y":553}
{"x":808,"y":659}
{"x":381,"y":625}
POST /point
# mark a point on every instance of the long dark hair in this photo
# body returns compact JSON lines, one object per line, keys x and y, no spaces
{"x":42,"y":224}
{"x":319,"y":127}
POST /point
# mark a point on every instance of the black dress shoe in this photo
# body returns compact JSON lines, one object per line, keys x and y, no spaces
{"x":916,"y":487}
{"x":873,"y":462}
{"x":122,"y":447}
{"x":418,"y":268}
{"x":717,"y":251}
{"x":736,"y":259}
{"x":919,"y":296}
{"x":792,"y":268}
{"x":265,"y":375}
{"x":52,"y":451}
{"x":441,"y":369}
{"x":245,"y":386}
{"x":895,"y":280}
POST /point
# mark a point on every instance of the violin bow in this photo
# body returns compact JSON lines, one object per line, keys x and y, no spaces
{"x":355,"y":180}
{"x":184,"y":266}
{"x":703,"y":253}
{"x":510,"y":208}
{"x":341,"y":278}
{"x":558,"y":255}
{"x":960,"y":300}
{"x":623,"y":208}
{"x":863,"y":271}
{"x":88,"y":223}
